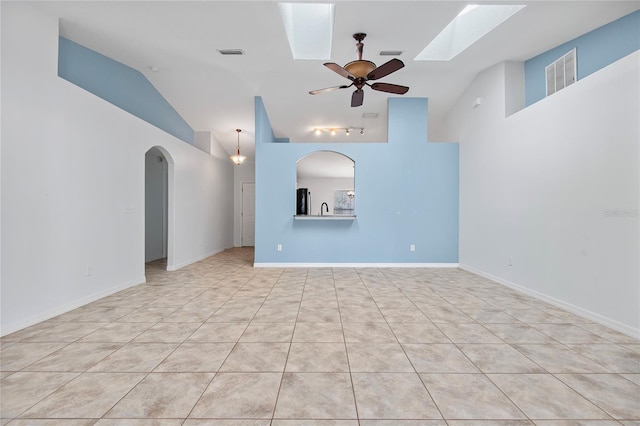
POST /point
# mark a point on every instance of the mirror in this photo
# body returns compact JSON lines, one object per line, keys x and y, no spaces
{"x":328,"y":177}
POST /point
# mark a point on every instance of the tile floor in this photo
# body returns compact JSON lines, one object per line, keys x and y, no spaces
{"x":221,"y":343}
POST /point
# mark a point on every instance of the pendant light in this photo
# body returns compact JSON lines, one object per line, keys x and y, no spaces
{"x":237,"y":158}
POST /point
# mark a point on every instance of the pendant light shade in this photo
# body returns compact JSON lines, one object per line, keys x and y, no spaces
{"x":237,"y":158}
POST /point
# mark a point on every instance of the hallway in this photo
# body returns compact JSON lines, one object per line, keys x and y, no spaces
{"x":222,"y":343}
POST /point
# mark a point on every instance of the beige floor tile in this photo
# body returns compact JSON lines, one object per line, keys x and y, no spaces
{"x":542,"y":396}
{"x":403,"y":315}
{"x":298,"y":422}
{"x":19,"y":355}
{"x":317,"y":357}
{"x":65,"y":332}
{"x":468,"y":333}
{"x":196,"y":357}
{"x":612,"y":393}
{"x":218,"y":332}
{"x":392,"y":396}
{"x":408,"y":332}
{"x":268,"y":332}
{"x":257,"y":357}
{"x":138,"y":422}
{"x":135,"y":357}
{"x":490,"y":423}
{"x":48,"y":422}
{"x":368,"y":332}
{"x":190,"y":314}
{"x":615,"y":358}
{"x":318,"y":314}
{"x":378,"y":358}
{"x":519,"y":333}
{"x":167,"y":332}
{"x":403,"y":423}
{"x":499,"y":358}
{"x":635,"y":378}
{"x":569,"y":333}
{"x":77,"y":357}
{"x":438,"y":358}
{"x":560,"y":359}
{"x":24,"y":389}
{"x":239,"y":396}
{"x":278,"y":314}
{"x":469,"y":396}
{"x":316,"y":396}
{"x":116,"y":332}
{"x":147,"y":314}
{"x":222,"y":422}
{"x":88,"y":396}
{"x":318,"y":332}
{"x":162,"y":395}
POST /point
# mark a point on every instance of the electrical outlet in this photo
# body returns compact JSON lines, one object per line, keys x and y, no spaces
{"x":279,"y":247}
{"x":89,"y":271}
{"x":412,"y":247}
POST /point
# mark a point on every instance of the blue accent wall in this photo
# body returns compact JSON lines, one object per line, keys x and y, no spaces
{"x":595,"y":50}
{"x":406,"y":193}
{"x":120,"y":85}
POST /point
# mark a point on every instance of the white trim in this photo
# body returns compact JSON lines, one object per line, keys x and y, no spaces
{"x":354,"y":265}
{"x":59,"y":310}
{"x":608,"y":322}
{"x":172,"y":268}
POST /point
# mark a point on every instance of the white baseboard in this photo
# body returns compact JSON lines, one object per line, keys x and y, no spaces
{"x":354,"y":265}
{"x":194,"y":260}
{"x":59,"y":310}
{"x":600,"y":319}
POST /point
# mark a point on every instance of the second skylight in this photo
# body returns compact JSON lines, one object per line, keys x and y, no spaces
{"x":473,"y":23}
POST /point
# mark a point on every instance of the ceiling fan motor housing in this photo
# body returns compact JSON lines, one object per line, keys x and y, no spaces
{"x":360,"y":68}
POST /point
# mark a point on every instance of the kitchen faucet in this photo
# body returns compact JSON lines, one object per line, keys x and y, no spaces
{"x":322,"y":206}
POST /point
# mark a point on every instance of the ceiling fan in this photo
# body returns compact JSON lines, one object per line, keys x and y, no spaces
{"x":361,"y":71}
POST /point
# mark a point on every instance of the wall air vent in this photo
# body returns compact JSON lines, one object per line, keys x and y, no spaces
{"x":231,"y":51}
{"x":561,"y":73}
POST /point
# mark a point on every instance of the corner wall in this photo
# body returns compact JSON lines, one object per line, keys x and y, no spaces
{"x":549,"y":196}
{"x":73,"y":185}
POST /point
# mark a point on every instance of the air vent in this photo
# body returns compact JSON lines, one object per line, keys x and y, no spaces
{"x":561,"y":73}
{"x":231,"y":51}
{"x":369,"y":115}
{"x":390,"y":52}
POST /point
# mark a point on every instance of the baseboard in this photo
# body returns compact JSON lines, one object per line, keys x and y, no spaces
{"x":595,"y":317}
{"x":353,"y":265}
{"x":59,"y":310}
{"x":194,"y":260}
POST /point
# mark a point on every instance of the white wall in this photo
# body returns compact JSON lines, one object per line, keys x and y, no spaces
{"x":73,"y":185}
{"x":245,"y":172}
{"x":539,"y":187}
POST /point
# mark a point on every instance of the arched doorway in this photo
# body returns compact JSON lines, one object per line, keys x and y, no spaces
{"x":158,"y":171}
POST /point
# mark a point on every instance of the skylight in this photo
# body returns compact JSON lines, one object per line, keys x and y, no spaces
{"x":471,"y":24}
{"x":309,"y":28}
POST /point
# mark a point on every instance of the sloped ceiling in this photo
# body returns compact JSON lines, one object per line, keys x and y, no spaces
{"x":215,"y":93}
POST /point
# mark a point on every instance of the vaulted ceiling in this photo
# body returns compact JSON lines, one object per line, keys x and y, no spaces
{"x":215,"y":93}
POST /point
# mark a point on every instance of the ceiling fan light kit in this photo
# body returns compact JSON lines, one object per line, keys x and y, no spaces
{"x":361,"y":71}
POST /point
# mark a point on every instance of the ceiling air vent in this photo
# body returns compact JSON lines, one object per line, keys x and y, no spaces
{"x":231,"y":51}
{"x":561,"y":73}
{"x":390,"y":52}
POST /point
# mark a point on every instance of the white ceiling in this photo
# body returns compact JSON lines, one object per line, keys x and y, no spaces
{"x":215,"y":93}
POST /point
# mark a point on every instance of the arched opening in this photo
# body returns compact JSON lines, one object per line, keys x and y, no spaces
{"x":158,"y":201}
{"x":325,"y":184}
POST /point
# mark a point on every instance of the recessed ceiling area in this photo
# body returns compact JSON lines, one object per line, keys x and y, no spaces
{"x":215,"y":92}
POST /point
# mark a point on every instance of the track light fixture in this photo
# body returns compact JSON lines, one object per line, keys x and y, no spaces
{"x":334,"y":130}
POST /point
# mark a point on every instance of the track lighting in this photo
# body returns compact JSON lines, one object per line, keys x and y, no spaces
{"x":334,"y":130}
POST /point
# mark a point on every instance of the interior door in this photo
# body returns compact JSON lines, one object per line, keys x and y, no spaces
{"x":248,"y":214}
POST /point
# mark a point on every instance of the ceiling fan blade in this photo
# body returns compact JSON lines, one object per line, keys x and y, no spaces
{"x":385,"y":69}
{"x":357,"y":98}
{"x":390,"y":88}
{"x":328,"y":89}
{"x":338,"y":69}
